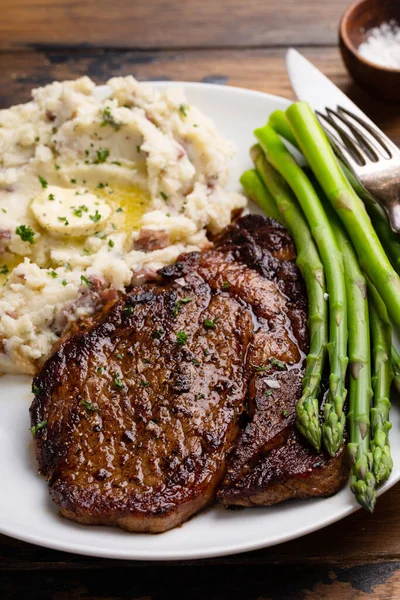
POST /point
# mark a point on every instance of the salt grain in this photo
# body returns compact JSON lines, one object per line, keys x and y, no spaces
{"x":382,"y":45}
{"x":272,"y":383}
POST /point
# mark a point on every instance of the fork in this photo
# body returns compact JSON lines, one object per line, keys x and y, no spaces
{"x":372,"y":157}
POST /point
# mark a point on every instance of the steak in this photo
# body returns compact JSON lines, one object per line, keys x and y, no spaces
{"x":182,"y":387}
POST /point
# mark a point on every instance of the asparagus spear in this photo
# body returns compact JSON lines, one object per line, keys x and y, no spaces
{"x":258,"y":193}
{"x":284,"y":163}
{"x":381,"y":333}
{"x":278,"y":121}
{"x":373,"y":260}
{"x":310,"y":265}
{"x":362,"y":480}
{"x":396,"y":368}
{"x":388,"y":238}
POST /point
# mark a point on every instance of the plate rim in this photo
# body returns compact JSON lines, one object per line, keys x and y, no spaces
{"x":229,"y":548}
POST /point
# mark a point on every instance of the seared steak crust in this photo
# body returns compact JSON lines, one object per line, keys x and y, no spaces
{"x":143,"y":406}
{"x":291,"y":470}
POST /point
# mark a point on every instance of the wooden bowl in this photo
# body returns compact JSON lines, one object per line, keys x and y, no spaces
{"x":358,"y":19}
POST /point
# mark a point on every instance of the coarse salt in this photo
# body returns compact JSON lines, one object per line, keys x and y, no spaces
{"x":271,"y":383}
{"x":382,"y":45}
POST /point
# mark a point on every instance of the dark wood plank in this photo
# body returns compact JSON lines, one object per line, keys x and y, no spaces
{"x":258,"y":69}
{"x":252,"y":582}
{"x":166,"y":24}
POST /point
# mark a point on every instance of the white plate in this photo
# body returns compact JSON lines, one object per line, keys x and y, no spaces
{"x":26,"y":511}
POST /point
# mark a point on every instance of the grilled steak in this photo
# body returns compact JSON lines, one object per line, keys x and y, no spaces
{"x":291,"y":470}
{"x":144,"y":407}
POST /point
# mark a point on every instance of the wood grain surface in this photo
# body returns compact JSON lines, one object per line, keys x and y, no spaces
{"x":168,"y":23}
{"x":230,"y":42}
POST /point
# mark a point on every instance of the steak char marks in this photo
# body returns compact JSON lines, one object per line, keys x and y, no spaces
{"x":182,"y":388}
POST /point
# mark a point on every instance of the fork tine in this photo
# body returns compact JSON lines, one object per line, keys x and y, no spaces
{"x":390,"y":148}
{"x":337,"y":142}
{"x":358,"y":138}
{"x":346,"y":140}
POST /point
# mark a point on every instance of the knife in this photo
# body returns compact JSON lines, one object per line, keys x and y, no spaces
{"x":311,"y":85}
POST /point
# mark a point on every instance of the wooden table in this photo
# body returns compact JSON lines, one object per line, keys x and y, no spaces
{"x":230,"y":42}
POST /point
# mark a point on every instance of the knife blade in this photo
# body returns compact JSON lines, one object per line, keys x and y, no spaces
{"x":311,"y":85}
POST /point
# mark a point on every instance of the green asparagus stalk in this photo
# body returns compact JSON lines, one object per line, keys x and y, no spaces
{"x":278,"y":121}
{"x":381,"y":333}
{"x":388,"y":238}
{"x":373,"y":260}
{"x":362,"y":480}
{"x":258,"y":193}
{"x":284,"y":163}
{"x":396,"y":368}
{"x":310,"y":265}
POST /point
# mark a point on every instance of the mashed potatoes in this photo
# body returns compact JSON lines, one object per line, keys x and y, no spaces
{"x":99,"y":188}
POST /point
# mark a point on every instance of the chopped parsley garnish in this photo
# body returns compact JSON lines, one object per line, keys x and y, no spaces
{"x":38,"y":427}
{"x":226,"y":285}
{"x":64,"y":282}
{"x":164,"y":196}
{"x":128,"y":310}
{"x":101,"y":186}
{"x":85,"y":280}
{"x":96,"y":217}
{"x":261,"y":369}
{"x":210,"y":323}
{"x":178,"y":305}
{"x":277,"y":363}
{"x":138,"y":149}
{"x":119,"y":384}
{"x":57,"y":167}
{"x":144,"y":383}
{"x":268,"y":393}
{"x":89,"y":406}
{"x":198,"y":396}
{"x":102,"y":156}
{"x":77,"y":212}
{"x":111,"y":243}
{"x":99,"y":369}
{"x":63,"y":220}
{"x":119,"y":355}
{"x":4,"y":270}
{"x":4,"y":210}
{"x":37,"y":138}
{"x":206,"y":352}
{"x":119,"y":210}
{"x":51,"y":197}
{"x":86,"y":252}
{"x":108,"y":119}
{"x":158,"y":333}
{"x":43,"y":182}
{"x":26,"y":233}
{"x":73,"y":180}
{"x":183,"y":109}
{"x":35,"y":389}
{"x":116,"y":162}
{"x":196,"y":362}
{"x":181,"y":338}
{"x":285,"y":413}
{"x":52,"y":274}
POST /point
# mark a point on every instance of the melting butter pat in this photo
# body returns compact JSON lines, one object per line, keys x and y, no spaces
{"x":70,"y":212}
